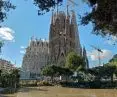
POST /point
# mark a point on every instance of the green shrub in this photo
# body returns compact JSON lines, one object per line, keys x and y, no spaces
{"x":44,"y":83}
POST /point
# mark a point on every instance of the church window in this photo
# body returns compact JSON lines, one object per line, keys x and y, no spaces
{"x":62,"y":55}
{"x":38,"y":43}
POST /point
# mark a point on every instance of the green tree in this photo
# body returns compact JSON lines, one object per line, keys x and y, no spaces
{"x":111,"y":67}
{"x":52,"y":71}
{"x":96,"y":72}
{"x":48,"y":70}
{"x":74,"y":62}
{"x":103,"y":16}
{"x":46,"y":5}
{"x":5,"y":6}
{"x":110,"y":70}
{"x":107,"y":71}
{"x":14,"y":75}
{"x":67,"y":72}
{"x":4,"y":77}
{"x":10,"y":78}
{"x":62,"y":71}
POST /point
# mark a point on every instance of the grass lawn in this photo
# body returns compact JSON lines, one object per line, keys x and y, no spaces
{"x":63,"y":92}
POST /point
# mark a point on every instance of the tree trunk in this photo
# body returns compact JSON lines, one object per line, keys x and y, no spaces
{"x":112,"y":79}
{"x":52,"y":78}
{"x":66,"y":78}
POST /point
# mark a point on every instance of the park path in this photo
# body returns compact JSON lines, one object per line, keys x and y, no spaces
{"x":50,"y":92}
{"x":28,"y":92}
{"x":63,"y":92}
{"x":66,"y":92}
{"x":20,"y":94}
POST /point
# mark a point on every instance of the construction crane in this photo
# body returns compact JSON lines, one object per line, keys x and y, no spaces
{"x":72,"y":2}
{"x":1,"y":45}
{"x":99,"y":51}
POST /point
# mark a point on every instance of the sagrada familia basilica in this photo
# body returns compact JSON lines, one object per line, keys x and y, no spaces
{"x":63,"y":38}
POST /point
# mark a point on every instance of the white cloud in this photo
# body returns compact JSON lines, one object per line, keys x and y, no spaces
{"x":6,"y":34}
{"x":114,"y":38}
{"x":22,"y":51}
{"x":22,"y":47}
{"x":94,"y":54}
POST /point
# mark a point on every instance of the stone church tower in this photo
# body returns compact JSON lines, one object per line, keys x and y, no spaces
{"x":84,"y":54}
{"x":63,"y":36}
{"x":36,"y":56}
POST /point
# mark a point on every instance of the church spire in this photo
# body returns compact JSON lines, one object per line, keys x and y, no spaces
{"x":73,"y":19}
{"x":85,"y":58}
{"x":67,"y":8}
{"x":77,"y":39}
{"x":52,"y":19}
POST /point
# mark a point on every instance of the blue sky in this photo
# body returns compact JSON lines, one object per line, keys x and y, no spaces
{"x":25,"y":23}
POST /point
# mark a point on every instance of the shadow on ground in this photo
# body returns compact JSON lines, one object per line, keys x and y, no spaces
{"x":6,"y":96}
{"x":28,"y":89}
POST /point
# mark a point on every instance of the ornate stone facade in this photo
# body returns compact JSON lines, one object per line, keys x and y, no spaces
{"x":84,"y":54}
{"x":6,"y":65}
{"x":63,"y":37}
{"x":35,"y":58}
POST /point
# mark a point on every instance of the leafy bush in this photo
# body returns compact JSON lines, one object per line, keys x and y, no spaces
{"x":44,"y":83}
{"x":9,"y":91}
{"x":28,"y":83}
